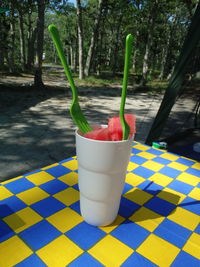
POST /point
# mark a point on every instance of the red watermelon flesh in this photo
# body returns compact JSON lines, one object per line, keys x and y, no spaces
{"x":115,"y":127}
{"x":101,"y":134}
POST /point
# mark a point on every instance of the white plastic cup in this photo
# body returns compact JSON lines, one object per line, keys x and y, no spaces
{"x":102,"y":169}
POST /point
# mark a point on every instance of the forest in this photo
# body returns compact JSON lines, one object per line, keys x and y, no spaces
{"x":93,"y":35}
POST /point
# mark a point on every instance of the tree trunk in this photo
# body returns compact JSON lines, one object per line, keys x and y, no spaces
{"x":40,"y":39}
{"x":4,"y":29}
{"x":76,"y":55}
{"x":135,"y":53}
{"x":71,"y":57}
{"x":31,"y":50}
{"x":164,"y":59}
{"x":31,"y":42}
{"x":12,"y":34}
{"x":22,"y":39}
{"x":116,"y":47}
{"x":94,"y":38}
{"x":145,"y":67}
{"x":169,"y":44}
{"x":151,"y":22}
{"x":80,"y":39}
{"x":99,"y":59}
{"x":134,"y":60}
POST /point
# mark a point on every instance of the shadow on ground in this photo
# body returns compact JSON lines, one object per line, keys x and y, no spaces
{"x":36,"y":129}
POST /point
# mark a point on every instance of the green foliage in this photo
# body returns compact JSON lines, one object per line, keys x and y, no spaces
{"x":168,"y":21}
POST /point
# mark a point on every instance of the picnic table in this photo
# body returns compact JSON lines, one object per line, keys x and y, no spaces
{"x":158,"y":222}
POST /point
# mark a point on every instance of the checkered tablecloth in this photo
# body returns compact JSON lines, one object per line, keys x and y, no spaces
{"x":158,"y":222}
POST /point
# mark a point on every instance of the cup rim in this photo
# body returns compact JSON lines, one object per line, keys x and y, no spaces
{"x":78,"y":133}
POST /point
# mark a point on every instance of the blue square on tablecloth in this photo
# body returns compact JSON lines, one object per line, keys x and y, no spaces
{"x":39,"y":235}
{"x":161,"y":160}
{"x":85,"y":260}
{"x":193,"y":171}
{"x":171,"y":172}
{"x":127,"y":207}
{"x":54,"y":186}
{"x":76,"y":187}
{"x":32,"y":261}
{"x":150,"y":187}
{"x":66,"y":160}
{"x":197,"y":230}
{"x":10,"y":205}
{"x":155,"y":151}
{"x":130,"y":234}
{"x":173,"y":233}
{"x":143,"y":172}
{"x":137,"y":159}
{"x":85,"y":235}
{"x":47,"y":206}
{"x":19,"y":185}
{"x":185,"y":161}
{"x":181,"y":187}
{"x":5,"y":231}
{"x":191,"y":204}
{"x":76,"y":207}
{"x":185,"y":260}
{"x":127,"y":187}
{"x":137,"y":260}
{"x":135,"y":150}
{"x":58,"y":171}
{"x":160,"y":206}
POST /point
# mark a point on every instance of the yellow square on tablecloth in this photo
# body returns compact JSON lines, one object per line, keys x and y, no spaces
{"x":22,"y":219}
{"x":67,"y":196}
{"x":158,"y":250}
{"x":71,"y":164}
{"x":4,"y":193}
{"x":32,"y":195}
{"x":178,"y":166}
{"x":147,"y":218}
{"x":69,"y":178}
{"x":185,"y":218}
{"x":192,"y":245}
{"x":110,"y":251}
{"x":152,"y":165}
{"x":13,"y":251}
{"x":169,"y":156}
{"x":65,"y":219}
{"x":196,"y":165}
{"x":141,"y":147}
{"x":134,"y":179}
{"x":114,"y":225}
{"x":39,"y":178}
{"x":60,"y":252}
{"x":147,"y":155}
{"x":195,"y":193}
{"x":160,"y":179}
{"x":132,"y":166}
{"x":171,"y":196}
{"x":188,"y":178}
{"x":138,"y":196}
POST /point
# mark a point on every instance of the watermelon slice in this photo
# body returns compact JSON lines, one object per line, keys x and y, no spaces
{"x":101,"y":134}
{"x":115,"y":127}
{"x":114,"y":130}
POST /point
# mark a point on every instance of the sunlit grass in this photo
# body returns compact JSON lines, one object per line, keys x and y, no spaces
{"x":108,"y":79}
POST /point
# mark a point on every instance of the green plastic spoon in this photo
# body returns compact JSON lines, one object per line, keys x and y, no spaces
{"x":125,"y":126}
{"x":75,"y":109}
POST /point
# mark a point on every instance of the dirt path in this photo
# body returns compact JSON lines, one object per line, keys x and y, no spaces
{"x":37,"y":130}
